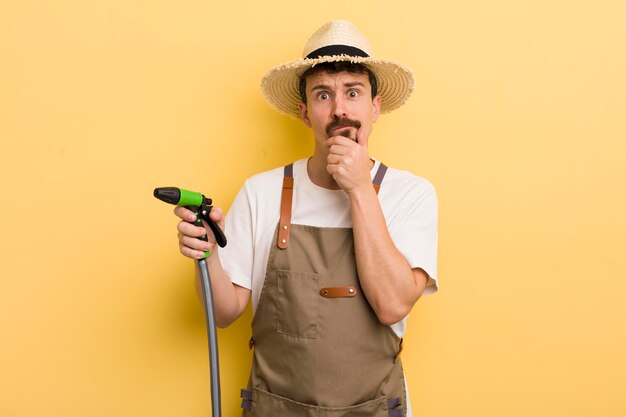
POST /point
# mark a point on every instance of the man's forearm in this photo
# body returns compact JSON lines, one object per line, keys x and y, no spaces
{"x":229,"y":300}
{"x":389,"y":283}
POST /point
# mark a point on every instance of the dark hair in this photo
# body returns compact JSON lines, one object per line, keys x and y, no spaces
{"x":336,"y":67}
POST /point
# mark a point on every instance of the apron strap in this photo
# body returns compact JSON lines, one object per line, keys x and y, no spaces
{"x":284,"y":224}
{"x":286,"y":199}
{"x":378,"y":178}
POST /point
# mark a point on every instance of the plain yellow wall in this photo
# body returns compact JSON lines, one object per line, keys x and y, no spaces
{"x":519,"y":119}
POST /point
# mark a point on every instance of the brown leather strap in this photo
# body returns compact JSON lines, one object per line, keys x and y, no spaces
{"x":284,"y":224}
{"x":337,"y":292}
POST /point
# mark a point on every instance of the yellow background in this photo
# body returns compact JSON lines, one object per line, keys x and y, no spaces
{"x":519,"y":119}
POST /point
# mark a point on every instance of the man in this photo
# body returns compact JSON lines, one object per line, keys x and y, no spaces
{"x":335,"y":249}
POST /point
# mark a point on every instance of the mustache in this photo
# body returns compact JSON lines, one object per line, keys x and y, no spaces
{"x":341,"y":122}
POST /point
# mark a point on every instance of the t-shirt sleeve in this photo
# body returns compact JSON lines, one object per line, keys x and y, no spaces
{"x":238,"y":255}
{"x":414,"y":231}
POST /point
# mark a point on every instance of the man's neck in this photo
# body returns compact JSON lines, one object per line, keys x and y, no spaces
{"x":316,"y":168}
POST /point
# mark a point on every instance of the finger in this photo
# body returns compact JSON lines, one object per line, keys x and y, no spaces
{"x":335,"y":170}
{"x":333,"y":140}
{"x":331,"y":168}
{"x":194,"y":248}
{"x":189,"y":229}
{"x":341,"y":149}
{"x":191,"y":253}
{"x":216,"y":214}
{"x":184,"y":214}
{"x":194,"y":243}
{"x":333,"y":159}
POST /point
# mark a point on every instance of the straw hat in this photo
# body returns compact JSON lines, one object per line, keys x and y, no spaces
{"x":337,"y":40}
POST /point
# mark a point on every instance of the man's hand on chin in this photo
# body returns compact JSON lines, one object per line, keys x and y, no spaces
{"x":348,"y":160}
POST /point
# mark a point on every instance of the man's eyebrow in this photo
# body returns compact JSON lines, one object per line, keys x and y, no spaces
{"x":354,"y":84}
{"x":320,"y":87}
{"x":348,"y":85}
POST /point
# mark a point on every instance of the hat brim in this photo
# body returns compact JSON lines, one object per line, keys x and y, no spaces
{"x":281,"y":84}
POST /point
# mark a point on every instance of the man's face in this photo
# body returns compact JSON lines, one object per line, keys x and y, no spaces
{"x":339,"y":104}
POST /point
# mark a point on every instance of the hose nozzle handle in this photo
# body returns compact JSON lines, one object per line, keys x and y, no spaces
{"x":197,"y":203}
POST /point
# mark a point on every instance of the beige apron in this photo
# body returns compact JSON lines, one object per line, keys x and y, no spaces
{"x":319,"y":349}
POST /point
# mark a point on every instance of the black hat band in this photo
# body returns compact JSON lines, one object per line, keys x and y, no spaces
{"x":331,"y":50}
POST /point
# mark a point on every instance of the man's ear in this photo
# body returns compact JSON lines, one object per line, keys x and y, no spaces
{"x":375,"y":108}
{"x":304,"y":114}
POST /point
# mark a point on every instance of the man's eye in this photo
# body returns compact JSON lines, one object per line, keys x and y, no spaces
{"x":324,"y":96}
{"x":353,"y":94}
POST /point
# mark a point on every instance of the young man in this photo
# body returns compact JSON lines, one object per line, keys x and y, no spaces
{"x":334,"y":249}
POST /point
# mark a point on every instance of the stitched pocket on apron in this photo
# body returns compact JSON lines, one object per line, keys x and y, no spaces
{"x":267,"y":404}
{"x":297,"y":303}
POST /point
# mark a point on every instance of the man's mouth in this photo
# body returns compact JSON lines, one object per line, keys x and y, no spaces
{"x":343,"y":125}
{"x":346,"y":134}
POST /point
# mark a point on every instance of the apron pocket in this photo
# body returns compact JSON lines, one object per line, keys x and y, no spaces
{"x":297,"y":304}
{"x":265,"y":404}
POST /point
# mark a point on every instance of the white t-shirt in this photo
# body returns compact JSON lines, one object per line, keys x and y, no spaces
{"x":408,"y":202}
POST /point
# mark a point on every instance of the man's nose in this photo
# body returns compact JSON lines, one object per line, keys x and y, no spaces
{"x":339,"y":106}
